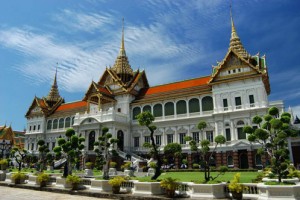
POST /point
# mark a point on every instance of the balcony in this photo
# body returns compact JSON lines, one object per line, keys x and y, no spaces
{"x":101,"y":116}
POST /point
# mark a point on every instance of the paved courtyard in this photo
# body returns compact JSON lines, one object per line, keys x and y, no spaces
{"x":8,"y":193}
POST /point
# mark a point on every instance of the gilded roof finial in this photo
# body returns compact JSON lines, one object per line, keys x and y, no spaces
{"x":235,"y":42}
{"x":53,"y":95}
{"x":122,"y":49}
{"x":122,"y":66}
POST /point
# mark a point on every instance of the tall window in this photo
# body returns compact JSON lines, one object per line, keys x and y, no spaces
{"x":181,"y":138}
{"x":73,"y":119}
{"x":157,"y":110}
{"x":68,"y":122}
{"x":136,"y":141}
{"x":49,"y":125}
{"x":61,"y":123}
{"x":241,"y":135}
{"x":135,"y":112}
{"x":91,"y":140}
{"x":207,"y":103}
{"x":147,"y":139}
{"x":238,"y":103}
{"x":251,"y":100}
{"x":169,"y":109}
{"x":181,"y":107}
{"x":55,"y":123}
{"x":225,"y":104}
{"x":147,"y":108}
{"x":32,"y":146}
{"x":194,"y":105}
{"x":158,"y":139}
{"x":210,"y":136}
{"x":196,"y":137}
{"x":228,"y":134}
{"x":230,"y":161}
{"x":169,"y":138}
{"x":39,"y":127}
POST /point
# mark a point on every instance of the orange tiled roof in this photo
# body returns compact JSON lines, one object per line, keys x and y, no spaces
{"x":178,"y":85}
{"x":104,"y":90}
{"x":69,"y":106}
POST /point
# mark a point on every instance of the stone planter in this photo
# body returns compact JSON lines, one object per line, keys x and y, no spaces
{"x":268,"y":192}
{"x":32,"y":179}
{"x":128,"y":172}
{"x":290,"y":180}
{"x":112,"y":172}
{"x":2,"y":175}
{"x":149,"y":188}
{"x":213,"y":191}
{"x":88,"y":173}
{"x":101,"y":185}
{"x":151,"y":172}
{"x":63,"y":183}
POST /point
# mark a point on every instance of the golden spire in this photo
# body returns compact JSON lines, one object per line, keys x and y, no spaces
{"x":53,"y":95}
{"x":122,"y":66}
{"x":235,"y":42}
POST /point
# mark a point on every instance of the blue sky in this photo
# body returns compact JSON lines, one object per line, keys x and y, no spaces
{"x":171,"y":40}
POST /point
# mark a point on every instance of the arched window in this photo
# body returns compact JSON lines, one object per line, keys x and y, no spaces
{"x":229,"y":161}
{"x":194,"y":105}
{"x":91,"y":140}
{"x":169,"y":108}
{"x":157,"y":110}
{"x":68,"y":122}
{"x":135,"y":112}
{"x":49,"y":124}
{"x":61,"y":123}
{"x":207,"y":103}
{"x":147,"y":108}
{"x":181,"y":107}
{"x":240,"y":123}
{"x":55,"y":123}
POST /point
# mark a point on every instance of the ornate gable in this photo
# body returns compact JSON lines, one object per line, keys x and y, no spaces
{"x":233,"y":67}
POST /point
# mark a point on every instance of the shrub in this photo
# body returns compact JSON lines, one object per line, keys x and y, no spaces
{"x":3,"y":162}
{"x":42,"y":177}
{"x":126,"y":165}
{"x":18,"y":176}
{"x":195,"y":165}
{"x":112,"y":164}
{"x":116,"y":181}
{"x":88,"y":165}
{"x":152,"y":164}
{"x":73,"y":179}
{"x":235,"y":185}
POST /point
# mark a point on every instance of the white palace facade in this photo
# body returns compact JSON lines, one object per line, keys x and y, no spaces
{"x":227,"y":99}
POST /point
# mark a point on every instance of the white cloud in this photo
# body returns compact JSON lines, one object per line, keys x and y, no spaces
{"x":79,"y":21}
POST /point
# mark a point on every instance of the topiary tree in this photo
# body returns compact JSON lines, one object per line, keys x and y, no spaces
{"x":102,"y":149}
{"x":173,"y":150}
{"x":19,"y":155}
{"x":146,"y":119}
{"x":43,"y":155}
{"x":272,"y":135}
{"x":205,"y":152}
{"x":69,"y":149}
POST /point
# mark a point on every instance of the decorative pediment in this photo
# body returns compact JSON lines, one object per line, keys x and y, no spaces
{"x":170,"y":131}
{"x":241,"y":144}
{"x":232,"y":67}
{"x":182,"y":130}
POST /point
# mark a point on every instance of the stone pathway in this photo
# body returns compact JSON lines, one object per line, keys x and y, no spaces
{"x":8,"y":193}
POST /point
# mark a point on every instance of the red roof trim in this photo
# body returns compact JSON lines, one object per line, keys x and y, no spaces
{"x":178,"y":85}
{"x":72,"y":105}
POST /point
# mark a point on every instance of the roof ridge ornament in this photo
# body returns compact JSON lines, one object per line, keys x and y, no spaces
{"x":53,"y":96}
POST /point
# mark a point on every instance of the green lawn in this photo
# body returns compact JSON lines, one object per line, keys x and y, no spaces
{"x":246,"y":177}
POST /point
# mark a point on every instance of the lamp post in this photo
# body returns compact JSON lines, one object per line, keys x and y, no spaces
{"x":5,"y":146}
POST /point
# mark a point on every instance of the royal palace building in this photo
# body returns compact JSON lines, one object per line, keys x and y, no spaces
{"x":227,"y":100}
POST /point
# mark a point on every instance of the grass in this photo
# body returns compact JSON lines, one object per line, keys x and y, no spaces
{"x":246,"y":177}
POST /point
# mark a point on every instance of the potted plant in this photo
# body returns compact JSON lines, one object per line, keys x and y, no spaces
{"x":128,"y":171}
{"x":236,"y":188}
{"x":116,"y":183}
{"x":3,"y":164}
{"x":112,"y":169}
{"x":88,"y":165}
{"x":170,"y":185}
{"x":74,"y":181}
{"x":43,"y":179}
{"x":18,"y":178}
